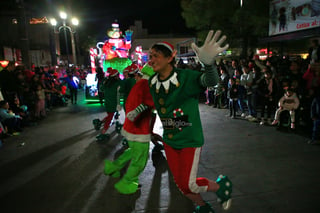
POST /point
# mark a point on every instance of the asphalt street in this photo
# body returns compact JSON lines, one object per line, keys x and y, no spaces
{"x":57,"y":167}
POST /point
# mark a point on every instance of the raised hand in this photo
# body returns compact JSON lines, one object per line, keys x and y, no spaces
{"x":211,"y":47}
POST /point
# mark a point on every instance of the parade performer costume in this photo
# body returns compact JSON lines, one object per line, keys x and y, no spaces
{"x":111,"y":90}
{"x":137,"y":131}
{"x":175,"y":93}
{"x":128,"y":82}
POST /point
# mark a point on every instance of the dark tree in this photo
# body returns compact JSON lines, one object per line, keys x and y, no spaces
{"x":242,"y":24}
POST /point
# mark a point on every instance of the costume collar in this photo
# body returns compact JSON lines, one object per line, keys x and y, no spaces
{"x":165,"y":83}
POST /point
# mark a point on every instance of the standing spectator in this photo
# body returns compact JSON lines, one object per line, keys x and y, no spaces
{"x":217,"y":95}
{"x":256,"y":77}
{"x":224,"y":79}
{"x":233,"y":97}
{"x":72,"y":84}
{"x":246,"y":81}
{"x":314,"y":52}
{"x":209,"y":95}
{"x":40,"y":105}
{"x":234,"y":66}
{"x":312,"y":76}
{"x":266,"y":91}
{"x":8,"y":83}
{"x":241,"y":92}
{"x":295,"y":73}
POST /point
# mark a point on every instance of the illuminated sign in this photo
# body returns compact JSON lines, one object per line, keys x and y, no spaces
{"x":293,"y":15}
{"x":43,"y":20}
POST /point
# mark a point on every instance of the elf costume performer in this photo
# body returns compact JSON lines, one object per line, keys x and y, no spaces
{"x":176,"y":93}
{"x":128,"y":81}
{"x":111,"y":89}
{"x":138,"y":132}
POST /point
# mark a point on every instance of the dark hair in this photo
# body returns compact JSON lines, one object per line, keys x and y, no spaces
{"x":165,"y":51}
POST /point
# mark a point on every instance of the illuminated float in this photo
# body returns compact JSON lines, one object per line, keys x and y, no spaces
{"x":113,"y":52}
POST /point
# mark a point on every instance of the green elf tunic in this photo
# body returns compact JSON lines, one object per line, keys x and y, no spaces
{"x":111,"y":95}
{"x":127,"y":84}
{"x":176,"y":100}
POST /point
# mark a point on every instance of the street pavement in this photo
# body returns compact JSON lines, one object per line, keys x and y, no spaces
{"x":57,"y":167}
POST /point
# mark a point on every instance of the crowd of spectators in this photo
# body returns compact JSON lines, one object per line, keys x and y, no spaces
{"x":252,"y":89}
{"x":260,"y":87}
{"x":26,"y":96}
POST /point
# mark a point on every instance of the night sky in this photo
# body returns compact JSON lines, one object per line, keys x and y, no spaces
{"x":96,"y":16}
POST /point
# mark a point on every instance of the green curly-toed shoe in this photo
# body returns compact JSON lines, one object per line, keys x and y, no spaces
{"x":204,"y":209}
{"x":224,"y":192}
{"x":102,"y":137}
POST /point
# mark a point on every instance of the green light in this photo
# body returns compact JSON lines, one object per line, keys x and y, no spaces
{"x":117,"y":63}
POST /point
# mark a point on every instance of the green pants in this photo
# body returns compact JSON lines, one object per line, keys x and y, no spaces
{"x":137,"y":153}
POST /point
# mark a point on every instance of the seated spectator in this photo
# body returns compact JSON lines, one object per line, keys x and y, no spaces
{"x":289,"y":102}
{"x":8,"y":119}
{"x":20,"y":110}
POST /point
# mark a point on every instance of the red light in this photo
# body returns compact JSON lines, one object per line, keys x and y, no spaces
{"x":4,"y":63}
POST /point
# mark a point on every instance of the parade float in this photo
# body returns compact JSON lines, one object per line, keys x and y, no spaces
{"x":113,"y":52}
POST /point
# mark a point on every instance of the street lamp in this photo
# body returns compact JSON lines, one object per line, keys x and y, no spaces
{"x":71,"y":29}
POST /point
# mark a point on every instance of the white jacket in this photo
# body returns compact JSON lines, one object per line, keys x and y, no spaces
{"x":289,"y":102}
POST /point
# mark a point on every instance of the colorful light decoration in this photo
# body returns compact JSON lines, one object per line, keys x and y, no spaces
{"x":4,"y":63}
{"x":113,"y":53}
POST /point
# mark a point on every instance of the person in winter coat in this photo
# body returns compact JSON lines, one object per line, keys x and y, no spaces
{"x":289,"y":102}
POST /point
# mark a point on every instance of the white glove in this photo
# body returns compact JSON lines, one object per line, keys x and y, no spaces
{"x":211,"y":48}
{"x":132,"y":115}
{"x":119,"y":107}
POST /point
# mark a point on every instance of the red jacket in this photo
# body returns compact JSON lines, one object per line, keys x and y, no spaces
{"x":139,"y":130}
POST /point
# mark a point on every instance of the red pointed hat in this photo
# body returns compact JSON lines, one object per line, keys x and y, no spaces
{"x":113,"y":72}
{"x":133,"y":69}
{"x":126,"y":69}
{"x":167,"y":45}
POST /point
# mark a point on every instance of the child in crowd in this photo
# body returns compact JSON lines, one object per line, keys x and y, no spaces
{"x":289,"y":102}
{"x":40,"y":106}
{"x":233,"y":97}
{"x":218,"y":93}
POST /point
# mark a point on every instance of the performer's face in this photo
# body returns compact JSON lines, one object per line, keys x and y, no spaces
{"x":158,"y":61}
